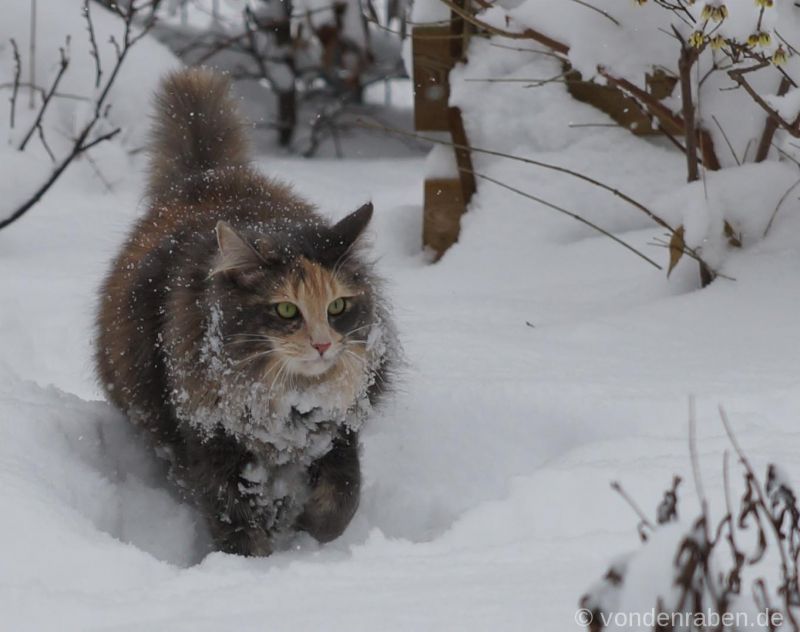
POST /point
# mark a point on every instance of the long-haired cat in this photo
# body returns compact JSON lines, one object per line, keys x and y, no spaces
{"x":243,"y":331}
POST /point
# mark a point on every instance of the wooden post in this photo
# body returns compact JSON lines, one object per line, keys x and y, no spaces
{"x":436,"y":49}
{"x":432,"y":64}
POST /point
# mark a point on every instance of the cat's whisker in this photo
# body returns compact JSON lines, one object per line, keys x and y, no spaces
{"x":355,"y":355}
{"x":252,"y":340}
{"x":340,"y":262}
{"x":282,"y":364}
{"x":351,"y":354}
{"x":247,"y":341}
{"x":273,"y":367}
{"x":291,"y":376}
{"x":357,"y":329}
{"x":255,"y":356}
{"x":280,"y":379}
{"x":284,"y":376}
{"x":251,"y":337}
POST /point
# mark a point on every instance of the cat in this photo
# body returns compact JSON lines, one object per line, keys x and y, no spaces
{"x":246,"y":334}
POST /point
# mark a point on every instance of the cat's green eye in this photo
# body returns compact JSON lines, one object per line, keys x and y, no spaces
{"x":337,"y":307}
{"x":286,"y":310}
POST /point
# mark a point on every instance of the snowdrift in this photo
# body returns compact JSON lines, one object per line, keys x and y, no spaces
{"x":544,"y":361}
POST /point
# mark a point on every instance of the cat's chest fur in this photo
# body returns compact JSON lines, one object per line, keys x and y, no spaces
{"x":282,"y":418}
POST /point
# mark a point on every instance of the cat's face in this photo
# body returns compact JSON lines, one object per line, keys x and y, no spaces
{"x":320,"y":313}
{"x":302,"y":313}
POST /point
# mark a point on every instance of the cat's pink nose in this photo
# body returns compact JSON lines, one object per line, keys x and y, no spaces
{"x":322,"y":347}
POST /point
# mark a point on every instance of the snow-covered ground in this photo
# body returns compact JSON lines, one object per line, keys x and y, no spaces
{"x":544,"y":361}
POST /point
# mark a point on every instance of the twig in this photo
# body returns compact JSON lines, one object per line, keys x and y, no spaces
{"x":637,"y":510}
{"x":100,"y":139}
{"x":762,"y":503}
{"x":546,"y":53}
{"x":555,"y":45}
{"x":727,"y":140}
{"x":42,"y":91}
{"x":638,"y":205}
{"x":62,"y":68}
{"x":579,"y":125}
{"x":669,"y":121}
{"x":513,"y":79}
{"x":698,"y":481}
{"x":778,"y":206}
{"x":17,"y":75}
{"x":96,"y":168}
{"x":93,"y":50}
{"x":600,"y":11}
{"x":560,"y":209}
{"x":692,"y":254}
{"x":788,"y":45}
{"x":56,"y":173}
{"x":770,"y":126}
{"x":32,"y":53}
{"x":746,"y":149}
{"x":44,"y":143}
{"x":82,"y":142}
{"x":738,"y":76}
{"x":726,"y":483}
{"x":420,"y":36}
{"x":786,"y":155}
{"x":706,"y":270}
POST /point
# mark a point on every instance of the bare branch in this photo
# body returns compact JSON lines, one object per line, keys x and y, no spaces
{"x":51,"y":180}
{"x":16,"y":84}
{"x":44,"y":142}
{"x":605,"y":14}
{"x":564,"y":211}
{"x":637,"y":510}
{"x":778,"y":206}
{"x":93,"y":51}
{"x":727,"y":140}
{"x":538,"y":163}
{"x":42,"y":92}
{"x":738,"y":76}
{"x":770,"y":126}
{"x":62,"y":68}
{"x":526,"y":34}
{"x":84,"y":142}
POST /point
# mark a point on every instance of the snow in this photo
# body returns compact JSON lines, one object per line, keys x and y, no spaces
{"x":429,"y":11}
{"x":787,"y":105}
{"x":631,"y":40}
{"x":544,"y":361}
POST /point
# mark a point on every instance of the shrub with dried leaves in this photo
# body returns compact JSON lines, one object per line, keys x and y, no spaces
{"x":736,"y":572}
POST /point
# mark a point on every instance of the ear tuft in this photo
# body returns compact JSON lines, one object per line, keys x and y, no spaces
{"x":351,"y":227}
{"x":235,"y":253}
{"x":346,"y":232}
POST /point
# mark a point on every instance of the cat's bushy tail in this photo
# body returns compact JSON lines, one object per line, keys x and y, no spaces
{"x":197,"y":129}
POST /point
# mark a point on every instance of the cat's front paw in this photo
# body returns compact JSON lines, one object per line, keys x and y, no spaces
{"x":329,"y":508}
{"x":247,"y":541}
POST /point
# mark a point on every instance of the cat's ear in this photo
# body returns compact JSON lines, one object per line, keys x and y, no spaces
{"x":236,"y":257}
{"x":350,"y":228}
{"x":346,"y":232}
